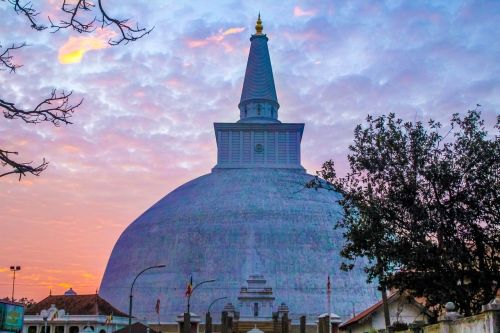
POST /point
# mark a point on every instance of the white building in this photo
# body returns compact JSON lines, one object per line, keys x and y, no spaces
{"x":402,"y":309}
{"x":256,"y":300}
{"x":72,"y":313}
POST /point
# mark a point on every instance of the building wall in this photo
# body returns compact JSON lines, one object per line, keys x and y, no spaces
{"x":486,"y":322}
{"x":363,"y":327}
{"x":400,"y":311}
{"x":259,"y":148}
{"x":258,"y":145}
{"x":65,"y":324}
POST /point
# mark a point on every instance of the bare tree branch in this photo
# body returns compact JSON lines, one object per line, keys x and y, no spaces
{"x":76,"y":21}
{"x":28,"y":11}
{"x":20,"y":168}
{"x":82,"y":21}
{"x":128,"y":33}
{"x":6,"y":57}
{"x":55,"y":109}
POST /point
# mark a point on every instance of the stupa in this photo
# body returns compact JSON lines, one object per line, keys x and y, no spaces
{"x":250,"y":216}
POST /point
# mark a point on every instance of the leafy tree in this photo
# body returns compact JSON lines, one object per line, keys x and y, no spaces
{"x":82,"y":16}
{"x":24,"y":300}
{"x":424,"y":208}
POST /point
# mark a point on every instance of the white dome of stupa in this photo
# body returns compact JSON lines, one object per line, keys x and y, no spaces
{"x":250,"y":215}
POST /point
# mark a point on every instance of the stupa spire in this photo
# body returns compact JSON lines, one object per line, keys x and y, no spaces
{"x":258,"y":26}
{"x":258,"y":98}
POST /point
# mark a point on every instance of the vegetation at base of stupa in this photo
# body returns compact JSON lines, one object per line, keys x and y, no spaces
{"x":82,"y":16}
{"x":422,"y":203}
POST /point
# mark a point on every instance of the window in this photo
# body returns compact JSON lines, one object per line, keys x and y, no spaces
{"x":43,"y":329}
{"x":102,"y":331}
{"x":59,"y":329}
{"x":255,"y":309}
{"x":258,"y":109}
{"x":32,"y":329}
{"x":74,"y":329}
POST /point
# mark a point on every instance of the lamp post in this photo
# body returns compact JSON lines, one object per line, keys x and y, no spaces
{"x":131,"y":296}
{"x":192,"y":291}
{"x":208,"y":318}
{"x":14,"y":269}
{"x":213,"y":302}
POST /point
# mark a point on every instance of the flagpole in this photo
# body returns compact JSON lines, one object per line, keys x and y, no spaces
{"x":190,"y":290}
{"x":329,"y":293}
{"x":329,"y":311}
{"x":157,"y":310}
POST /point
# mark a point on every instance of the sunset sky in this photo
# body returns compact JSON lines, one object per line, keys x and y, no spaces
{"x":146,"y":124}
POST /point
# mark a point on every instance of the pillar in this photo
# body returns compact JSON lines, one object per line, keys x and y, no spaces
{"x":335,"y":327}
{"x":223,"y":322}
{"x":302,"y":324}
{"x":229,"y":324}
{"x":320,"y":325}
{"x":326,"y":324}
{"x":208,"y":323}
{"x":284,"y":323}
{"x":275,"y":323}
{"x":186,"y":325}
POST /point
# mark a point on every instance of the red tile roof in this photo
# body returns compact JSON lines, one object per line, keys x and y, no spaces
{"x":77,"y":305}
{"x":367,"y":312}
{"x":136,"y":328}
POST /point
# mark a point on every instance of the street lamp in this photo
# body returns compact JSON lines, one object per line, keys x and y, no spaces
{"x":208,"y":318}
{"x":131,"y":296}
{"x":14,"y":269}
{"x":192,"y":291}
{"x":213,"y":302}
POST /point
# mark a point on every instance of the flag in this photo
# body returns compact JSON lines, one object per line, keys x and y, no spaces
{"x":328,"y":285}
{"x":109,"y":319}
{"x":54,"y":315}
{"x":157,"y":307}
{"x":189,"y":288}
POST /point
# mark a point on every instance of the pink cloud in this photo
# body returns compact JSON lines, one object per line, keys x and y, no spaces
{"x":216,"y":38}
{"x":299,"y":12}
{"x":197,"y":43}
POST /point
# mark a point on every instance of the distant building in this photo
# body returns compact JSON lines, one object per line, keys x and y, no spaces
{"x":256,"y":301}
{"x":402,"y":309}
{"x":72,"y":313}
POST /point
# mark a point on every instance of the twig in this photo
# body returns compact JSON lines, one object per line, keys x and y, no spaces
{"x":6,"y":57}
{"x":55,"y":109}
{"x":21,"y":168}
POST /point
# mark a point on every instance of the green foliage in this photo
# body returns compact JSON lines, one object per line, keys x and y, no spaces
{"x":424,"y":208}
{"x":399,"y":326}
{"x":24,"y":300}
